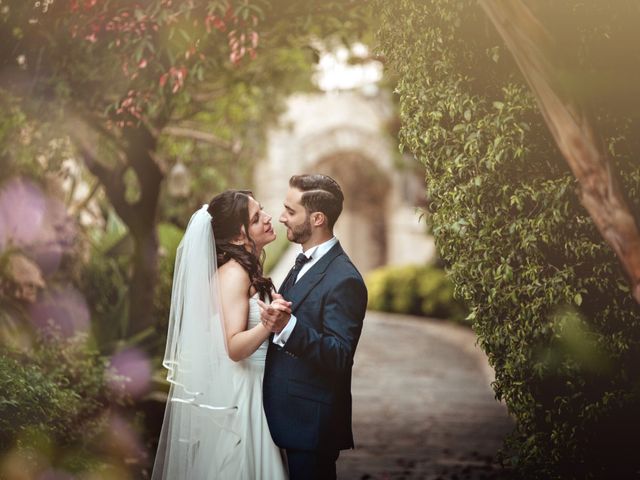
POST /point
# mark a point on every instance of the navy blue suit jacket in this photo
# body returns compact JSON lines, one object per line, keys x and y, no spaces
{"x":307,"y":383}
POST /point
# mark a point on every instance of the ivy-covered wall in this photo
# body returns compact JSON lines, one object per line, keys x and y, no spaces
{"x":549,"y":302}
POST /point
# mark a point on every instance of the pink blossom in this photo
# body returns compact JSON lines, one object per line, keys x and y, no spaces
{"x":132,"y":370}
{"x":22,"y":213}
{"x":63,"y":307}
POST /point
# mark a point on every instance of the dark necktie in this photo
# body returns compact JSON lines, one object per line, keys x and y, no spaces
{"x":290,"y":281}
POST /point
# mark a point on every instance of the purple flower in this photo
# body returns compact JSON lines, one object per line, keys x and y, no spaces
{"x":35,"y":223}
{"x":133,"y":372}
{"x":22,"y":213}
{"x":65,"y":308}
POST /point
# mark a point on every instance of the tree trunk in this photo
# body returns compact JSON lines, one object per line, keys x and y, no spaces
{"x":600,"y":190}
{"x":142,"y":225}
{"x":144,"y":278}
{"x":140,"y":217}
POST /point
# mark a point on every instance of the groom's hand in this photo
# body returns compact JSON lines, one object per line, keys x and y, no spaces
{"x":276,"y":315}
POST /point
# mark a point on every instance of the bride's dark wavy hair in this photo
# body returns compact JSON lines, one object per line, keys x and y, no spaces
{"x":229,"y":213}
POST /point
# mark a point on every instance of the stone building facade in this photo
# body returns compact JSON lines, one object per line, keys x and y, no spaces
{"x":345,"y":134}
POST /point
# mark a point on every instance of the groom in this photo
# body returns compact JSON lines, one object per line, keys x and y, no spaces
{"x":307,"y":380}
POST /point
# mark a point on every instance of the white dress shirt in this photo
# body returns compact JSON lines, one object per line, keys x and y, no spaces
{"x":314,"y":254}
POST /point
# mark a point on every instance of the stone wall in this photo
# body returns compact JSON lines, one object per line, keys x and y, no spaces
{"x":346,"y":135}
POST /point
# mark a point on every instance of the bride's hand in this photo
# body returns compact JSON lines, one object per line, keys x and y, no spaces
{"x":276,"y":315}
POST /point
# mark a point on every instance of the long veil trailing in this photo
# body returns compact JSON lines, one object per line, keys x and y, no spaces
{"x":198,"y":438}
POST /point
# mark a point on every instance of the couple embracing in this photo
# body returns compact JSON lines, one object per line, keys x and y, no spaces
{"x":261,"y":381}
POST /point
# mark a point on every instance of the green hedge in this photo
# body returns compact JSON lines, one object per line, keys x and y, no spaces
{"x":57,"y":390}
{"x":548,"y":300}
{"x":414,"y":290}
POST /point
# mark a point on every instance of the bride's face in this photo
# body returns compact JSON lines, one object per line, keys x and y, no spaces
{"x":260,"y":228}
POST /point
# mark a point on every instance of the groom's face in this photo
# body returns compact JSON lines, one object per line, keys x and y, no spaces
{"x":295,"y":217}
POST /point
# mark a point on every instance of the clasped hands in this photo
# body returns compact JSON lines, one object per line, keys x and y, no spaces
{"x":276,"y":315}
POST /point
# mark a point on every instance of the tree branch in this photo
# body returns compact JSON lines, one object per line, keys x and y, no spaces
{"x":600,"y":190}
{"x":198,"y":135}
{"x":110,"y":178}
{"x":141,"y":143}
{"x":83,"y":204}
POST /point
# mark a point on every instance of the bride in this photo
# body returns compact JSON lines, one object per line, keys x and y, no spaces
{"x":214,"y":425}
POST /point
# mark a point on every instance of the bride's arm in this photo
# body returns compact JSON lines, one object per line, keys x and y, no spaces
{"x":234,"y":288}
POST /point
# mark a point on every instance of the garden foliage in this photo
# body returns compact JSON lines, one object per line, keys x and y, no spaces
{"x":414,"y":290}
{"x":548,"y":299}
{"x":57,"y":390}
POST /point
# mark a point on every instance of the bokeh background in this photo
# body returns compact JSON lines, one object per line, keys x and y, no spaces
{"x":120,"y":118}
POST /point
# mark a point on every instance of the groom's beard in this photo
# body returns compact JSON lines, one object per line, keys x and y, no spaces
{"x":300,"y":233}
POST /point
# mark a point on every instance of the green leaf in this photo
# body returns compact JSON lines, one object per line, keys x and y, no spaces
{"x":577,"y":299}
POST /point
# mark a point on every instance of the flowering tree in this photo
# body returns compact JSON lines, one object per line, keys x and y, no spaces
{"x":119,"y":76}
{"x":120,"y":68}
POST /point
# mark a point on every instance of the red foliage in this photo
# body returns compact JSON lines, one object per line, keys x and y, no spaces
{"x":123,"y":24}
{"x":138,"y":34}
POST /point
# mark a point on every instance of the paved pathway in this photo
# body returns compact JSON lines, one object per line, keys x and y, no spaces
{"x":423,"y":408}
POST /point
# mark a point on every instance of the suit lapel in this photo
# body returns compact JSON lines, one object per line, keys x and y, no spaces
{"x":284,"y":282}
{"x":310,"y":279}
{"x":303,"y":287}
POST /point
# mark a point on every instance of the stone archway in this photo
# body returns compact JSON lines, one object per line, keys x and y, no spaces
{"x":345,"y":135}
{"x":362,"y":227}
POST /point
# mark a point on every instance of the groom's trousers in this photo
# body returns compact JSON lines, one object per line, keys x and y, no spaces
{"x":305,"y":465}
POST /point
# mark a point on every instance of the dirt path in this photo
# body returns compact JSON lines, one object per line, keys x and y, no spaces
{"x":423,"y":407}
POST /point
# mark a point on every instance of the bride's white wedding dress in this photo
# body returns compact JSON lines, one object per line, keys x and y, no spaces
{"x":259,"y":458}
{"x":214,"y":426}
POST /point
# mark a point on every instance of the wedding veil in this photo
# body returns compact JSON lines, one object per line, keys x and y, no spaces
{"x":198,"y":437}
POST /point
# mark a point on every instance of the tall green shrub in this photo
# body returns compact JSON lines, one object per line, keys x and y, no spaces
{"x":549,"y":302}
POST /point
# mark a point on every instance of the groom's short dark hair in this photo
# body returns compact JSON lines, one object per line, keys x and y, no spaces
{"x":321,"y":193}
